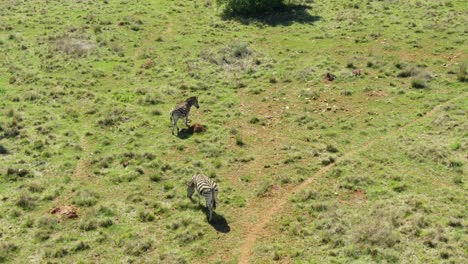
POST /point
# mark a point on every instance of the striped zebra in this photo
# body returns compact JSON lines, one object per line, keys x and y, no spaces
{"x":206,"y":187}
{"x":182,"y":110}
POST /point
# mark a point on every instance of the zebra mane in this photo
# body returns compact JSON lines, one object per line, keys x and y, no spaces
{"x":193,"y":98}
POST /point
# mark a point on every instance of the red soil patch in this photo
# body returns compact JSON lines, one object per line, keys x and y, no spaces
{"x":197,"y":128}
{"x":65,"y":211}
{"x":359,"y":195}
{"x":377,"y":93}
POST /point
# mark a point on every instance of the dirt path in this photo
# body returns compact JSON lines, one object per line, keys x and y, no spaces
{"x":278,"y":203}
{"x":82,"y":167}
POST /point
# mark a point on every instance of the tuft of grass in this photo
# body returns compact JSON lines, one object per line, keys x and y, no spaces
{"x":145,"y":216}
{"x":26,"y":201}
{"x":138,"y":247}
{"x":419,"y":83}
{"x":239,"y":141}
{"x":264,"y":189}
{"x":88,"y":225}
{"x":462,"y":74}
{"x":85,"y":198}
{"x":74,"y":46}
{"x":80,"y":246}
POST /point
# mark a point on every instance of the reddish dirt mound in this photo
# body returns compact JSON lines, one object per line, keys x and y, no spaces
{"x":360,"y":195}
{"x":65,"y":211}
{"x":377,"y":93}
{"x":357,"y":72}
{"x":197,"y":128}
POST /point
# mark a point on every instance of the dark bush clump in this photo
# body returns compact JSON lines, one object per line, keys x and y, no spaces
{"x":250,"y":7}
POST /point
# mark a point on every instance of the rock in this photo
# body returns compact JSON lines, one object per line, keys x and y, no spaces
{"x":65,"y":211}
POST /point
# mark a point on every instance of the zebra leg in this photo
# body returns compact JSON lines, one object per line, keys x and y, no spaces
{"x":174,"y":124}
{"x":186,"y":121}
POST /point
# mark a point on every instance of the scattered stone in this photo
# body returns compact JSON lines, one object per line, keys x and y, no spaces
{"x":65,"y":211}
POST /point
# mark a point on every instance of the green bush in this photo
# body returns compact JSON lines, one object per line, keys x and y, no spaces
{"x":462,"y":73}
{"x":250,"y":7}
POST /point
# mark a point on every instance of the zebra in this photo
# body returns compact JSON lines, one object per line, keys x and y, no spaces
{"x":182,"y":110}
{"x":206,"y":187}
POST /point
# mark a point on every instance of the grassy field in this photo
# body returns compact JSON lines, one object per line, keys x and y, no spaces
{"x":367,"y":168}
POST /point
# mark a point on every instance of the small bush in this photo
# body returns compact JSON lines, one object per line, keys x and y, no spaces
{"x":88,"y":225}
{"x":26,"y":201}
{"x":264,"y":189}
{"x":145,"y":216}
{"x":254,"y":120}
{"x":138,"y":247}
{"x":74,"y":46}
{"x":80,"y":246}
{"x":107,"y":222}
{"x":13,"y":174}
{"x":419,"y":83}
{"x":250,"y":7}
{"x":85,"y":198}
{"x":7,"y":249}
{"x":35,"y":187}
{"x":239,"y":141}
{"x":42,"y":235}
{"x":155,"y":177}
{"x":332,"y":149}
{"x":408,"y":72}
{"x":462,"y":75}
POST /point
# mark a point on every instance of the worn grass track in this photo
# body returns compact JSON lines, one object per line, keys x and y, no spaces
{"x":277,"y":203}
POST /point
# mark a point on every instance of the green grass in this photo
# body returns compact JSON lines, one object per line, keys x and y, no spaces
{"x":85,"y":92}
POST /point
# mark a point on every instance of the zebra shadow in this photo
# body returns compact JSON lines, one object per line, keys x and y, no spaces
{"x":3,"y":150}
{"x":185,"y":133}
{"x":218,"y":222}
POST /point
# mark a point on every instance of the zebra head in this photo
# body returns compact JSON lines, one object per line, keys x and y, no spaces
{"x":190,"y":189}
{"x":193,"y":101}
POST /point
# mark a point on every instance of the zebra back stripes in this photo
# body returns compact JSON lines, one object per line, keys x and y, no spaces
{"x":205,"y":187}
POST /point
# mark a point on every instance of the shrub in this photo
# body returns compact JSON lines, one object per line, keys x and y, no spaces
{"x":138,"y":247}
{"x":408,"y":71}
{"x":80,"y":246}
{"x":86,"y":198}
{"x":254,"y":120}
{"x":26,"y":201}
{"x":106,"y":222}
{"x":88,"y":225}
{"x":7,"y":249}
{"x":239,"y":141}
{"x":74,"y":46}
{"x":419,"y":83}
{"x":264,"y":189}
{"x":145,"y":216}
{"x":462,"y":73}
{"x":250,"y":7}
